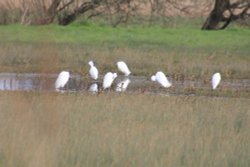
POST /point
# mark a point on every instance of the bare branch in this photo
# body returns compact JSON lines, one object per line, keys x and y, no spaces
{"x":64,"y":6}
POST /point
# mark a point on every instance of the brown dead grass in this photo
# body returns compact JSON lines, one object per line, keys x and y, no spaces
{"x":44,"y":129}
{"x":191,"y":8}
{"x":23,"y":3}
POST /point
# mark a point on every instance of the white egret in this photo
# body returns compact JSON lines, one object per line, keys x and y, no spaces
{"x":122,"y":66}
{"x":62,"y":79}
{"x":161,"y":78}
{"x":108,"y":80}
{"x":122,"y":86}
{"x":93,"y":72}
{"x":216,"y":78}
{"x":93,"y":87}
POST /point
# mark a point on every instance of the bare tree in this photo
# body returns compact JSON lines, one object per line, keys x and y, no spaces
{"x":115,"y":11}
{"x":69,"y":17}
{"x":224,"y":12}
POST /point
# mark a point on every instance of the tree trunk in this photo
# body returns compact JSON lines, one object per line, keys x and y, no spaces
{"x":52,"y":11}
{"x":216,"y":16}
{"x":70,"y":17}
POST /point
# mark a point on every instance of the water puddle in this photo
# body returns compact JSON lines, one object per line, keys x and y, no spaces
{"x":135,"y":84}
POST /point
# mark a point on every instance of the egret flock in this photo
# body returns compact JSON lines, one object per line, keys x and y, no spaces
{"x":109,"y":78}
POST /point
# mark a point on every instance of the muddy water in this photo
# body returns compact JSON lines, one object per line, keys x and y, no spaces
{"x":136,"y":84}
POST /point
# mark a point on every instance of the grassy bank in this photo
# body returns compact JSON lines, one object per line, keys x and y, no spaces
{"x":180,"y":38}
{"x":122,"y":130}
{"x":182,"y":52}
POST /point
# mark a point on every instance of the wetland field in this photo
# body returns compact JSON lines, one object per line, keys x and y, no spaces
{"x":184,"y":125}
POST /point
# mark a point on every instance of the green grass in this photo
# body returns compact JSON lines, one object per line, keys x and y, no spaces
{"x":181,"y":38}
{"x":71,"y":130}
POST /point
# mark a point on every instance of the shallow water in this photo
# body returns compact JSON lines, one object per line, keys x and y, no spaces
{"x":137,"y":84}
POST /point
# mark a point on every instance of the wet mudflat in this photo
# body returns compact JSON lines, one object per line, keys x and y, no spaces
{"x":138,"y":84}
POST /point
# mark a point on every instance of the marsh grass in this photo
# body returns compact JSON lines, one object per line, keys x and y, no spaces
{"x":52,"y":57}
{"x":80,"y":129}
{"x":47,"y":129}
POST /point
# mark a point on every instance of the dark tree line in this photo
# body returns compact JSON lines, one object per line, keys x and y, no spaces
{"x":223,"y":13}
{"x":65,"y":12}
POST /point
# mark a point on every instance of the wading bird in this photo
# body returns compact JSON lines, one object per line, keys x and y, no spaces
{"x":216,"y":78}
{"x":93,"y":72}
{"x":108,"y":80}
{"x":122,"y":86}
{"x":122,"y":66}
{"x":161,"y":78}
{"x":62,"y":79}
{"x":93,"y":87}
